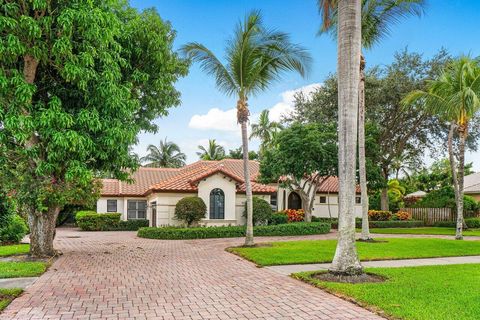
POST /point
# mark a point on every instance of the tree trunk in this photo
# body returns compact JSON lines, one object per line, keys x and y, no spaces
{"x":42,"y":232}
{"x":345,"y":261}
{"x":456,"y":179}
{"x":307,"y":205}
{"x":361,"y":152}
{"x":242,"y":115}
{"x":384,"y":205}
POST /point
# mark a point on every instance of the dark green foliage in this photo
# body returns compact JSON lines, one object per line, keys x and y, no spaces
{"x":445,"y":224}
{"x":280,"y":218}
{"x":290,"y":229}
{"x":191,"y":210}
{"x":445,"y":198}
{"x":14,"y":230}
{"x":92,"y":221}
{"x":473,"y":223}
{"x":332,"y":221}
{"x":262,"y":211}
{"x":393,"y":224}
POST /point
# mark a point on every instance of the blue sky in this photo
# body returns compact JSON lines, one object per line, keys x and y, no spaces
{"x":206,"y":113}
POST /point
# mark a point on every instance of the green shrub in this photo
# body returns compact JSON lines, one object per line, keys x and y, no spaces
{"x":190,"y":210}
{"x":14,"y":230}
{"x":92,"y":221}
{"x":473,"y":223}
{"x":332,"y":221}
{"x":445,"y":224}
{"x":470,"y":204}
{"x":290,"y":229}
{"x":278,"y":218}
{"x":393,"y":224}
{"x":262,"y":211}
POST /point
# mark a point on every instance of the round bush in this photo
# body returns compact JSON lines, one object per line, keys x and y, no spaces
{"x":279,"y":218}
{"x":262,"y":211}
{"x":191,"y":210}
{"x":14,"y":230}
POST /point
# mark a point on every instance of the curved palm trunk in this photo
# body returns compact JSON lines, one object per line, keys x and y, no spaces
{"x":384,"y":202}
{"x":361,"y":152}
{"x":242,"y":114}
{"x":345,"y":261}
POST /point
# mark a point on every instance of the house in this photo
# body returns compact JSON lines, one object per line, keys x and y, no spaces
{"x":220,"y":184}
{"x":471,"y":185}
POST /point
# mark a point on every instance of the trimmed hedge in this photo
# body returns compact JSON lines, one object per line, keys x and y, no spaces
{"x":92,"y":221}
{"x":291,"y":229}
{"x":445,"y":224}
{"x":14,"y":229}
{"x":279,"y":218}
{"x":394,"y":224}
{"x":473,"y":223}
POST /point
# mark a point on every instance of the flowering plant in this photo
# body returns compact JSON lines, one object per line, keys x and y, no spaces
{"x":403,"y":215}
{"x":295,"y":215}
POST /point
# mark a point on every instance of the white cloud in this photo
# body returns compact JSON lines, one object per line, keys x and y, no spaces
{"x":226,"y":120}
{"x":215,"y":119}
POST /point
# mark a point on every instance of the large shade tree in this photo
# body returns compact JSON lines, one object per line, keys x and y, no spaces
{"x":255,"y":57}
{"x":349,"y":35}
{"x":213,"y":151}
{"x":166,"y":155}
{"x":378,"y":16}
{"x":303,"y":157}
{"x":78,"y":81}
{"x":455,"y":97}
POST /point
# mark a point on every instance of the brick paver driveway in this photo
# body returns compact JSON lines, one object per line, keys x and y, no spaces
{"x":115,"y":275}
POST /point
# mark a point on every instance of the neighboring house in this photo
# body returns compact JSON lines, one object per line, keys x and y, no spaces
{"x":472,"y":185}
{"x":416,"y":194}
{"x":220,"y":184}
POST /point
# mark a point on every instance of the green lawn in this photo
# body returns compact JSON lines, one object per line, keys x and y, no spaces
{"x":21,"y":269}
{"x":416,"y":293}
{"x":317,"y":251}
{"x":14,"y":249}
{"x":427,"y":230}
{"x":7,"y":295}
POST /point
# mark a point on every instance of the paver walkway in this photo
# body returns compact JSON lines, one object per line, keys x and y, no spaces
{"x":114,"y":275}
{"x":294,"y":268}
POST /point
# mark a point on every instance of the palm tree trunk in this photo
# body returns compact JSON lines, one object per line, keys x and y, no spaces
{"x":345,"y":261}
{"x":361,"y":152}
{"x":457,"y":179}
{"x":242,"y":115}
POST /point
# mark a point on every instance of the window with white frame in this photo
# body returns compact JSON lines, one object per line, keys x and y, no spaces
{"x":273,"y":201}
{"x":112,"y":205}
{"x":358,"y":199}
{"x":136,"y":209}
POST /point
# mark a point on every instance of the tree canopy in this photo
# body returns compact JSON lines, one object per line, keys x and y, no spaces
{"x":78,"y":81}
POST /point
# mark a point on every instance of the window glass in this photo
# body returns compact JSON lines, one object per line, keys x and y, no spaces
{"x":358,"y":199}
{"x":323,"y":199}
{"x":112,"y":205}
{"x":137,"y":209}
{"x":217,"y":204}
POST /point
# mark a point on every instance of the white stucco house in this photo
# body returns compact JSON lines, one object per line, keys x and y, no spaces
{"x":220,"y":184}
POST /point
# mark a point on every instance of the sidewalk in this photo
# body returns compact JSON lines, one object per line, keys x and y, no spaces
{"x":294,"y":268}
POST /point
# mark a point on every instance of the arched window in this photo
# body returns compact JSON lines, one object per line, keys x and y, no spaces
{"x":217,"y":204}
{"x":294,"y":201}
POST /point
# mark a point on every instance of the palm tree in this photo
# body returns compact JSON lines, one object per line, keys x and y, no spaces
{"x":213,"y":151}
{"x":265,"y":130}
{"x":348,"y":13}
{"x":255,"y":57}
{"x":454,"y":97}
{"x":166,"y":155}
{"x":377,"y":18}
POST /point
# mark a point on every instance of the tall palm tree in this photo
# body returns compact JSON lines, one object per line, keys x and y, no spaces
{"x":348,"y":15}
{"x":377,"y":18}
{"x":255,"y":57}
{"x":455,"y":97}
{"x":213,"y":151}
{"x":265,"y":130}
{"x":166,"y":155}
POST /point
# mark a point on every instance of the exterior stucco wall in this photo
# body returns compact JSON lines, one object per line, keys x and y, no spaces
{"x":122,"y":203}
{"x":240,"y":206}
{"x":166,"y":207}
{"x":227,"y":185}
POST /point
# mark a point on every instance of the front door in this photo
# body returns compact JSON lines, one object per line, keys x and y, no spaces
{"x":294,"y":201}
{"x":154,"y":213}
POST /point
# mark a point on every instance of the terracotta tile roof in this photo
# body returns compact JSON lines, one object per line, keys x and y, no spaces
{"x":184,"y":179}
{"x":331,"y":186}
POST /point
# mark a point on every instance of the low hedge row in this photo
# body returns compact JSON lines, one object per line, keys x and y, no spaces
{"x":375,"y":224}
{"x":473,"y":223}
{"x":92,"y":221}
{"x":291,"y":229}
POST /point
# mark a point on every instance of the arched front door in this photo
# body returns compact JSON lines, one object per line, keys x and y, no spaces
{"x":294,"y":201}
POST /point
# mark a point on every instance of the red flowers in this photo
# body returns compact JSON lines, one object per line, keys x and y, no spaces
{"x":295,"y":215}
